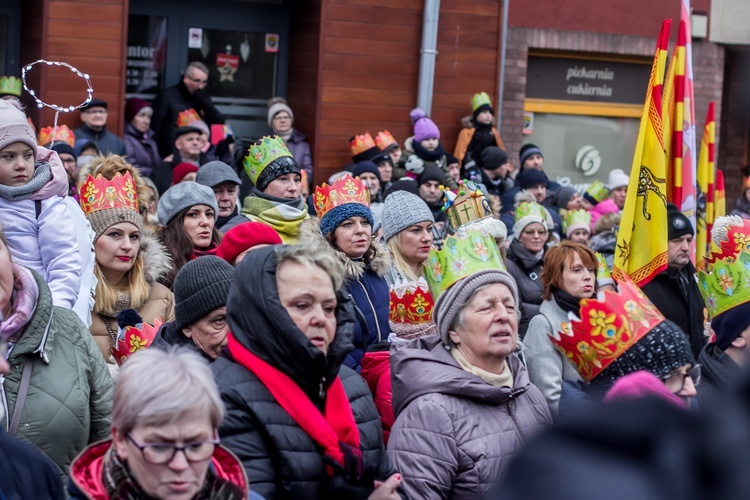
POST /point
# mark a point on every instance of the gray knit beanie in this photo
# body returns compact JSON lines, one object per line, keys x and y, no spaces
{"x":184,"y":195}
{"x":14,"y":127}
{"x":101,"y":220}
{"x":450,"y":303}
{"x":403,"y":209}
{"x":201,"y":286}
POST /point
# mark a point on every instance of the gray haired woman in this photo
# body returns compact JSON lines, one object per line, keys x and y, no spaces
{"x":164,"y":441}
{"x":463,"y":401}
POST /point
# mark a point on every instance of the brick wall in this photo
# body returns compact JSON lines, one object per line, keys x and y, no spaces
{"x":708,"y":70}
{"x":732,"y":147}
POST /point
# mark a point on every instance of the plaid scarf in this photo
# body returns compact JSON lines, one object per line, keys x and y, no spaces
{"x":284,"y":216}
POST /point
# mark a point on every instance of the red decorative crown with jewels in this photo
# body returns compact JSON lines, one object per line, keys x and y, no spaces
{"x":344,"y":190}
{"x":62,"y":134}
{"x":187,"y":117}
{"x":132,"y":339}
{"x":361,"y":143}
{"x":609,"y":326}
{"x":104,"y":194}
{"x":411,"y":304}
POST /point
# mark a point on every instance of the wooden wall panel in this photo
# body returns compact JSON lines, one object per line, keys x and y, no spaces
{"x":89,"y":34}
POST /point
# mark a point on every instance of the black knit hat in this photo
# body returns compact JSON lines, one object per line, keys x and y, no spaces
{"x":278,"y":167}
{"x":201,"y":286}
{"x":663,"y":349}
{"x":530,"y":178}
{"x":493,"y":158}
{"x":679,"y":225}
{"x":431,"y":173}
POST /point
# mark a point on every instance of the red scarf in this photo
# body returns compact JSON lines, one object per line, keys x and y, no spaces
{"x":211,"y":250}
{"x":328,"y":430}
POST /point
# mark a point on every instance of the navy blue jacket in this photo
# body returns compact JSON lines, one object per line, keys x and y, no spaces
{"x":371,"y":296}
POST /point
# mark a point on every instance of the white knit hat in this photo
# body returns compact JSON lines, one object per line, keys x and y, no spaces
{"x":617,"y":179}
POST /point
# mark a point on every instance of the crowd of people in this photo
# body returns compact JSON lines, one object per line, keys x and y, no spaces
{"x":178,"y":323}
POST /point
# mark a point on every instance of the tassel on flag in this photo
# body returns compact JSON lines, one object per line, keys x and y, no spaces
{"x":638,"y":253}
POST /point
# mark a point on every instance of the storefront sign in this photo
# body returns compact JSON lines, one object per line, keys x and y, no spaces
{"x":586,"y":80}
{"x":528,"y":122}
{"x":147,"y":48}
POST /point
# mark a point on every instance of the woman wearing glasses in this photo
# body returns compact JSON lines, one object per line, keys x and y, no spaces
{"x":164,"y":440}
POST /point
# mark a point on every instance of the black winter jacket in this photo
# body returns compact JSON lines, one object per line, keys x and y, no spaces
{"x":282,"y":460}
{"x":719,"y":372}
{"x":26,"y":472}
{"x":676,"y":295}
{"x":526,"y":268}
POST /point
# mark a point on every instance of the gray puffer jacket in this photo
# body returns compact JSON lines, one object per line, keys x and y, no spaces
{"x":454,"y":433}
{"x":547,"y":367}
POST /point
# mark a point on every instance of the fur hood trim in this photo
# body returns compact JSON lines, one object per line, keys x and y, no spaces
{"x":310,"y":233}
{"x":466,"y":121}
{"x":156,"y":260}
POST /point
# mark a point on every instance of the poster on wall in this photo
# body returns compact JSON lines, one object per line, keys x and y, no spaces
{"x":147,"y":49}
{"x":239,"y":64}
{"x":528,"y":122}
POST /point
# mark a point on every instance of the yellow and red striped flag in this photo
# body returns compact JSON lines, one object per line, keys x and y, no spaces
{"x":641,"y":250}
{"x":706,"y":185}
{"x":720,"y":200}
{"x":679,"y":123}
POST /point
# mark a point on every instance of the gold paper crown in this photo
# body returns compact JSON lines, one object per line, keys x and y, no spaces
{"x":480,"y":99}
{"x":531,"y":209}
{"x":187,"y":117}
{"x":268,"y":149}
{"x":344,"y":190}
{"x":361,"y":143}
{"x":462,"y":254}
{"x":609,"y":326}
{"x":103,"y":194}
{"x":579,"y":217}
{"x":10,"y":85}
{"x":597,"y":190}
{"x":62,"y":134}
{"x":132,"y":339}
{"x":384,"y":139}
{"x":603,"y":273}
{"x":468,"y":205}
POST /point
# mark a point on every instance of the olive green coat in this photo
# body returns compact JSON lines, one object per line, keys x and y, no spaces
{"x":69,"y":401}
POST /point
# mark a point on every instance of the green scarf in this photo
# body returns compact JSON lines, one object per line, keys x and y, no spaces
{"x":284,"y":216}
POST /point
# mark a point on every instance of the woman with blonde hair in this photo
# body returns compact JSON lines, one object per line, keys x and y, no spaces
{"x":129,"y":259}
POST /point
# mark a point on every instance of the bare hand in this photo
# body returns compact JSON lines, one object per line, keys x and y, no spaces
{"x":387,"y":490}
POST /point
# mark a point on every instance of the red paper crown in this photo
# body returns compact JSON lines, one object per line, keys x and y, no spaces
{"x":62,"y":134}
{"x":730,"y":235}
{"x":103,"y":194}
{"x":361,"y":143}
{"x":609,"y":326}
{"x":132,"y":339}
{"x":187,"y":117}
{"x":384,"y":139}
{"x":411,"y":305}
{"x":344,"y":190}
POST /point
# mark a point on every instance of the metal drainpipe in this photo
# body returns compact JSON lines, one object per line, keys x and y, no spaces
{"x":428,"y":55}
{"x":503,"y":50}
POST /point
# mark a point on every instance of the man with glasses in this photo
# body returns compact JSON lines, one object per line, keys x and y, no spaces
{"x":94,"y":128}
{"x":190,"y":93}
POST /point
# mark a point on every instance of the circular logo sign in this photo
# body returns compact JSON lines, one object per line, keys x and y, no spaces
{"x":588,"y":160}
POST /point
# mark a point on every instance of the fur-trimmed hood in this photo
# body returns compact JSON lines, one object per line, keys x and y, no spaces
{"x":156,"y":260}
{"x":380,"y":264}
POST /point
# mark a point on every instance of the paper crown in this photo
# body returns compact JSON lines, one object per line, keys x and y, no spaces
{"x":344,"y":190}
{"x":132,"y":339}
{"x":610,"y":324}
{"x":468,"y":205}
{"x":530,"y":208}
{"x":187,"y":117}
{"x":103,"y":194}
{"x":384,"y":139}
{"x":597,"y":190}
{"x":62,"y":134}
{"x":577,"y":217}
{"x":259,"y":155}
{"x":480,"y":99}
{"x":462,"y":254}
{"x":411,"y":304}
{"x":725,"y":280}
{"x":361,"y":143}
{"x":10,"y":85}
{"x":603,"y":273}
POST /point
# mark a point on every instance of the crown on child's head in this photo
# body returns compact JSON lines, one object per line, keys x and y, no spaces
{"x":104,"y":194}
{"x":262,"y":153}
{"x":384,"y":139}
{"x":345,"y":190}
{"x":480,"y":99}
{"x":62,"y":134}
{"x":11,"y":85}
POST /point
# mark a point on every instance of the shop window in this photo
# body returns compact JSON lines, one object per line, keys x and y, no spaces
{"x":147,"y":50}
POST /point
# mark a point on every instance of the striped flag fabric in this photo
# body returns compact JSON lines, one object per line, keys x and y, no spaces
{"x":706,"y":183}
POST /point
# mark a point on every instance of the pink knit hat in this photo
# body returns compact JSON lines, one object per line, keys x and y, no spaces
{"x":424,"y":128}
{"x":14,"y":126}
